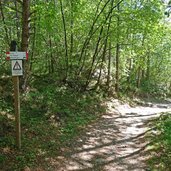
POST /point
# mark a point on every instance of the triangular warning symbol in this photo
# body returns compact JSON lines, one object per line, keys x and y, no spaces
{"x":17,"y":66}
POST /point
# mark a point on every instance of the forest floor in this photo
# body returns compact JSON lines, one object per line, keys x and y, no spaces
{"x":116,"y":142}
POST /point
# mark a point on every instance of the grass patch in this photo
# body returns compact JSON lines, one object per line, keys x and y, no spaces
{"x":161,"y":148}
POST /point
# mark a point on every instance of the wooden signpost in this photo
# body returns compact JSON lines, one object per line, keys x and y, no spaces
{"x":17,"y":110}
{"x":17,"y":70}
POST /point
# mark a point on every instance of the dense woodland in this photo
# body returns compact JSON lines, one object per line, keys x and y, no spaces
{"x":79,"y":49}
{"x":88,"y":45}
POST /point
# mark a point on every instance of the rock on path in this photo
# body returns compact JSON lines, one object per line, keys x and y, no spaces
{"x":115,"y":143}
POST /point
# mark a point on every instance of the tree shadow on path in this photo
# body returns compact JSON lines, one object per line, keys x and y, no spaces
{"x":115,"y":142}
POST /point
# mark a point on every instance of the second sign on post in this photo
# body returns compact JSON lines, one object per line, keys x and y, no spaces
{"x":17,"y":68}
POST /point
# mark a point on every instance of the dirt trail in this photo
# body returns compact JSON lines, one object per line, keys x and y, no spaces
{"x":115,"y":143}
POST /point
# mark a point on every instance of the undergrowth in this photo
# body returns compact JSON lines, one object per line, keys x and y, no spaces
{"x":161,"y":148}
{"x":51,"y":115}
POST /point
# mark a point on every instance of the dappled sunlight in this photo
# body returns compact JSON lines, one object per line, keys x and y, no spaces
{"x":115,"y":142}
{"x":6,"y":114}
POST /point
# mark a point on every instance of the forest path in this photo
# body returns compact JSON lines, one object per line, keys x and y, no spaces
{"x":115,"y":143}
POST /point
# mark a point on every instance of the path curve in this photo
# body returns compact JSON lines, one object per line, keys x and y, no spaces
{"x":115,"y":143}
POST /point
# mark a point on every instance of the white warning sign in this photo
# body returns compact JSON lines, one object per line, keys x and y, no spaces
{"x":17,"y":68}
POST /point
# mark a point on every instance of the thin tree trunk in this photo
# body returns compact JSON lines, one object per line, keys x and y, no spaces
{"x":90,"y":34}
{"x":33,"y":47}
{"x":117,"y":53}
{"x":129,"y":70}
{"x":25,"y":37}
{"x":51,"y":57}
{"x":25,"y":25}
{"x":4,"y":22}
{"x":109,"y":67}
{"x":104,"y":49}
{"x":65,"y":41}
{"x":110,"y":53}
{"x":17,"y":21}
{"x":102,"y":62}
{"x":148,"y":67}
{"x":94,"y":58}
{"x":117,"y":69}
{"x":97,"y":45}
{"x":138,"y":77}
{"x":72,"y":33}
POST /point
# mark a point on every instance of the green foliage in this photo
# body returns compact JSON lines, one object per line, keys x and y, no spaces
{"x":161,"y":158}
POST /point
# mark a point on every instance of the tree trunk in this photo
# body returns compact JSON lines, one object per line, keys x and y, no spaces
{"x":25,"y":25}
{"x":94,"y":58}
{"x":117,"y":53}
{"x":117,"y":69}
{"x":17,"y":21}
{"x":148,"y":67}
{"x":109,"y":66}
{"x":65,"y":41}
{"x":25,"y":39}
{"x":51,"y":66}
{"x":5,"y":27}
{"x":33,"y":47}
{"x":72,"y":33}
{"x":139,"y":77}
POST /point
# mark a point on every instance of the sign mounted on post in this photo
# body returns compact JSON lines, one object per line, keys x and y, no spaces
{"x":14,"y":55}
{"x":17,"y":68}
